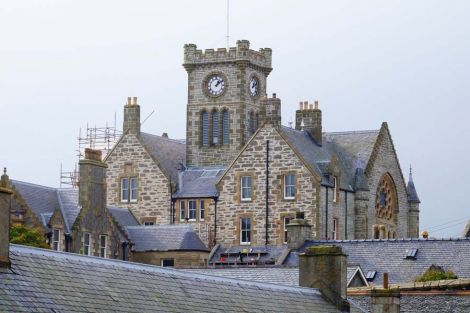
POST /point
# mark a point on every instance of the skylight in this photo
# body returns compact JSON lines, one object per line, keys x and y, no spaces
{"x":411,"y":253}
{"x":371,"y":275}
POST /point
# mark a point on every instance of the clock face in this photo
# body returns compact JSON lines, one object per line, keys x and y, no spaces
{"x":215,"y":85}
{"x":254,"y":87}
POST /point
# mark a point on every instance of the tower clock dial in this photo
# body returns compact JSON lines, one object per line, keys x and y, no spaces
{"x":254,"y":86}
{"x":215,"y":85}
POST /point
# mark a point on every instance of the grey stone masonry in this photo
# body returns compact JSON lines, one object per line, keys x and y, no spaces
{"x":5,"y":200}
{"x":237,"y":67}
{"x":132,"y":116}
{"x":271,"y":110}
{"x":298,"y":231}
{"x":309,"y":118}
{"x":385,"y":300}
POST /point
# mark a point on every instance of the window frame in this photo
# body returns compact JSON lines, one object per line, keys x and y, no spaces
{"x":132,"y":191}
{"x":242,"y":188}
{"x":192,"y":210}
{"x":247,"y":231}
{"x":202,"y":209}
{"x":290,"y":218}
{"x":334,"y":229}
{"x":182,"y":210}
{"x":103,"y":249}
{"x":167,"y":259}
{"x":56,"y":240}
{"x":292,"y":185}
{"x":335,"y":190}
{"x":87,"y":247}
{"x":124,"y":199}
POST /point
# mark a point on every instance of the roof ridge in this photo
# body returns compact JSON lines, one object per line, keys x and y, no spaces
{"x":348,"y":132}
{"x":179,"y":141}
{"x":155,"y":268}
{"x":390,"y":240}
{"x":32,"y":184}
{"x":161,"y":226}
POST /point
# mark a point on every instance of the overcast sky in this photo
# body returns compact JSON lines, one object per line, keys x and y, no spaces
{"x":64,"y":64}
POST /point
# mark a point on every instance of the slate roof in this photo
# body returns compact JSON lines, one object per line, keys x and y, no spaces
{"x":165,"y":238}
{"x":170,"y":153}
{"x":466,"y":231}
{"x":50,"y":281}
{"x":123,"y":216}
{"x":288,"y":276}
{"x":389,"y":256}
{"x":411,"y":190}
{"x":261,"y":255}
{"x":198,"y":182}
{"x":44,"y":200}
{"x":352,"y":148}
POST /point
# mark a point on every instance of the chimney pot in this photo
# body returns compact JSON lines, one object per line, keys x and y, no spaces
{"x":274,"y":95}
{"x":134,"y":101}
{"x":129,"y":101}
{"x":165,"y":135}
{"x":301,"y":105}
{"x":385,"y":281}
{"x":131,"y":121}
{"x":94,"y":155}
{"x":311,"y":107}
{"x":316,"y":105}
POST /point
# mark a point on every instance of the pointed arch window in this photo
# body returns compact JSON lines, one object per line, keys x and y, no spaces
{"x":215,"y":128}
{"x":205,"y":128}
{"x":225,"y":127}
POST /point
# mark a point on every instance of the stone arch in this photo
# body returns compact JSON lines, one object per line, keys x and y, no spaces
{"x":386,"y":203}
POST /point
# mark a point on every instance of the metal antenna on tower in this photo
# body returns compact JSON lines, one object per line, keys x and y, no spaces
{"x":228,"y":24}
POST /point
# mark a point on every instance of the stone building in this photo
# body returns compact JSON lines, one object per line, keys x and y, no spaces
{"x":240,"y":176}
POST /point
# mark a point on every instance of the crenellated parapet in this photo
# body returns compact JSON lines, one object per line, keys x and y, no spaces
{"x":240,"y":53}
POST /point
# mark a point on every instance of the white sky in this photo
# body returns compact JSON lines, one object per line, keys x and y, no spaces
{"x":64,"y":64}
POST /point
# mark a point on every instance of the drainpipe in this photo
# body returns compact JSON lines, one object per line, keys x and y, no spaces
{"x":215,"y":220}
{"x":267,"y":192}
{"x":326,"y":214}
{"x":345,"y":215}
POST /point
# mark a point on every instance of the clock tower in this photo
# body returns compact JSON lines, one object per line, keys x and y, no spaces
{"x":225,"y":88}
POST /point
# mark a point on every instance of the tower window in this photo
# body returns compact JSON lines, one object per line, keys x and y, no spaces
{"x":215,"y":128}
{"x":205,"y":128}
{"x":225,"y":127}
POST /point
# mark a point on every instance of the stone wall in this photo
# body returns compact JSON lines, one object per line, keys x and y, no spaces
{"x":182,"y":259}
{"x":384,"y":160}
{"x":342,"y":210}
{"x":251,"y":162}
{"x":130,"y":159}
{"x":202,"y":227}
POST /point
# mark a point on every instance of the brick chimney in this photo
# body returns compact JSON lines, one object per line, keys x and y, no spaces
{"x":92,"y":184}
{"x":131,"y":116}
{"x":5,"y":199}
{"x":325,"y":268}
{"x":271,"y":109}
{"x":308,"y":118}
{"x":298,"y":231}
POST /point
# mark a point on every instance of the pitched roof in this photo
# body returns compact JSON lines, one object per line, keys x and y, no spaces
{"x":168,"y":152}
{"x":198,"y":182}
{"x":41,"y":280}
{"x":41,"y":200}
{"x":389,"y":256}
{"x":68,"y":199}
{"x":123,"y":216}
{"x":352,"y":149}
{"x":411,"y":190}
{"x":165,"y":238}
{"x":237,"y":255}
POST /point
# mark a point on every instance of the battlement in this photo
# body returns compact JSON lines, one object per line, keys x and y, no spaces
{"x":241,"y":52}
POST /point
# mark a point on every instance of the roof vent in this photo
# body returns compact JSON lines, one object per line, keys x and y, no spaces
{"x":371,"y":275}
{"x":411,"y":254}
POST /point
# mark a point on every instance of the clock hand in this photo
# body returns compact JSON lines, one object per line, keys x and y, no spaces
{"x":218,"y":83}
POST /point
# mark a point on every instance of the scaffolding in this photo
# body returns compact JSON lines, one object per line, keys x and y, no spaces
{"x":97,"y":138}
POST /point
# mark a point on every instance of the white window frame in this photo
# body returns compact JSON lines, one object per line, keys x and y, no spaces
{"x":103,"y":249}
{"x":133,"y":190}
{"x":86,"y":247}
{"x":335,"y":229}
{"x":56,"y":241}
{"x":125,"y":199}
{"x":289,"y":218}
{"x":335,"y":186}
{"x":182,"y":210}
{"x":286,"y":186}
{"x":192,"y":210}
{"x":202,"y":210}
{"x":242,"y":187}
{"x":246,"y":230}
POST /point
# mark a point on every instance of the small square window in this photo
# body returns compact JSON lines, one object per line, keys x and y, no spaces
{"x":168,"y":262}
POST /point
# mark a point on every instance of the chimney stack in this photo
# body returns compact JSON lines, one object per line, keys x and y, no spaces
{"x":5,"y":200}
{"x":92,"y":183}
{"x":271,"y":110}
{"x":311,"y":118}
{"x":131,"y":116}
{"x":325,"y":268}
{"x":298,"y":231}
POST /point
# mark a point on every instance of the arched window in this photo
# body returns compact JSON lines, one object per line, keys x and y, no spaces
{"x":205,"y":128}
{"x":225,"y":127}
{"x":215,"y":128}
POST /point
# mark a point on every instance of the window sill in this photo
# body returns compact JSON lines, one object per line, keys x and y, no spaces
{"x":245,"y":243}
{"x":246,"y":200}
{"x":289,"y":199}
